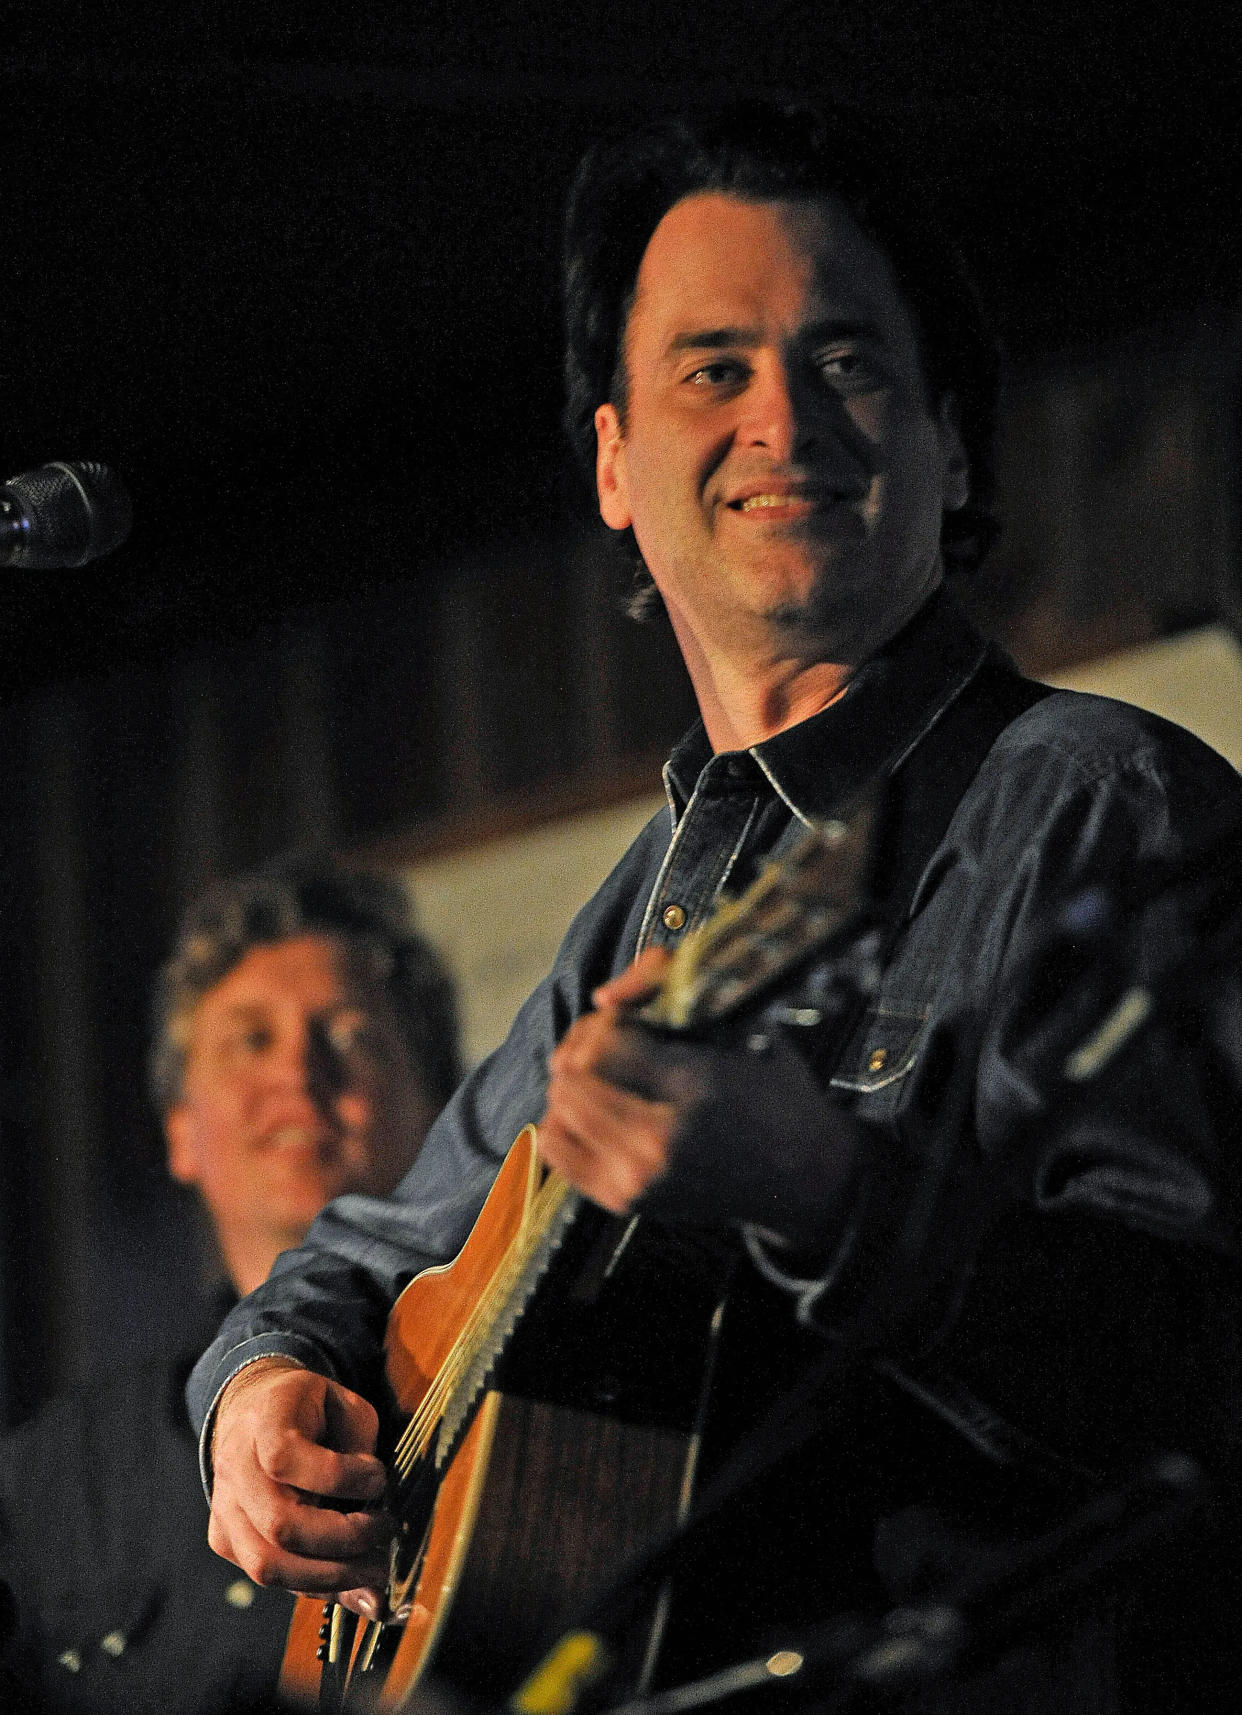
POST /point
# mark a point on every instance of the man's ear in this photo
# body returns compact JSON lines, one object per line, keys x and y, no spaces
{"x":957,"y":461}
{"x":610,"y":477}
{"x":183,"y":1162}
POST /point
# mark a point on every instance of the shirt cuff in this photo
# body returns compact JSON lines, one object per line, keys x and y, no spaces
{"x":862,"y":1288}
{"x":761,"y":1244}
{"x":299,"y":1353}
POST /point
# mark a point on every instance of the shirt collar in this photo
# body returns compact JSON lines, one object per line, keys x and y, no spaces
{"x":887,"y":708}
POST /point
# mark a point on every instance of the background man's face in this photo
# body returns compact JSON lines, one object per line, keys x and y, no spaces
{"x":298,"y":1086}
{"x":780,"y":462}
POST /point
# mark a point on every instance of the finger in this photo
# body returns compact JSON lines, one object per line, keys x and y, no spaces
{"x":604,"y":1182}
{"x":627,"y":1057}
{"x":351,"y":1422}
{"x":290,"y":1541}
{"x":299,"y":1524}
{"x":368,"y":1601}
{"x":321,"y":1533}
{"x":268,"y":1563}
{"x":287,"y":1458}
{"x":293,"y":1427}
{"x":584,"y":1043}
{"x":606,"y":1141}
{"x":606,"y":1118}
{"x":637,"y":984}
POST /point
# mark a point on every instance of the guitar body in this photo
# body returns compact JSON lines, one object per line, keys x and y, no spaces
{"x":559,"y":1501}
{"x":569,"y":1467}
{"x":555,"y":1374}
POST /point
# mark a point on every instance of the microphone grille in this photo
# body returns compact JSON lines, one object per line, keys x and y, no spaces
{"x":75,"y":511}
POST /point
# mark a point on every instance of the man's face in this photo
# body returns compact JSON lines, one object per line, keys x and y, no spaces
{"x":780,"y":462}
{"x":298,"y":1086}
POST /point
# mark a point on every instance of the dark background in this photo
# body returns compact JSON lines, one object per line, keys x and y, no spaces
{"x":292,"y":270}
{"x":292,"y":267}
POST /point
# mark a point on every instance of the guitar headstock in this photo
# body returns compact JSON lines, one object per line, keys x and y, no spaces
{"x":797,"y":905}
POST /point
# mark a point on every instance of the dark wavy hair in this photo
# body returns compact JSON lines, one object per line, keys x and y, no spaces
{"x":625,"y":186}
{"x":297,"y":895}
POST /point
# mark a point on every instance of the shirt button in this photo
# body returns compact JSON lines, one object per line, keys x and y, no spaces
{"x":240,"y":1593}
{"x":114,"y":1644}
{"x":674,"y":917}
{"x":878,"y":1060}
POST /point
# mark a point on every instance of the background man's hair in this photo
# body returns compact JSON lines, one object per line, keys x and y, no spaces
{"x":301,"y":895}
{"x":625,"y":186}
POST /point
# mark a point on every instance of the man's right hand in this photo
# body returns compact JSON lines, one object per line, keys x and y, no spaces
{"x":297,"y":1488}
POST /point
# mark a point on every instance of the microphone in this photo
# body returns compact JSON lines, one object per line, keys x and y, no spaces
{"x":62,"y":515}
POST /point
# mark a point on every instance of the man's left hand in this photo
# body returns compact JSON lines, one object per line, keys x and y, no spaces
{"x":691,"y":1132}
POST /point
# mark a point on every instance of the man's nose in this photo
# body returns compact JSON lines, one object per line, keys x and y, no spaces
{"x":307,"y":1063}
{"x":785,"y":413}
{"x":796,"y":416}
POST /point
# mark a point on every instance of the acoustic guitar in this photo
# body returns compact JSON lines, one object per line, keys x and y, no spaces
{"x":550,"y":1402}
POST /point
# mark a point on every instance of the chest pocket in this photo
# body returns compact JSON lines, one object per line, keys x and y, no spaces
{"x":873,"y":1073}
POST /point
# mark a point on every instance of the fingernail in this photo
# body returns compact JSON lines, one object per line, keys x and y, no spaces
{"x":368,"y":1607}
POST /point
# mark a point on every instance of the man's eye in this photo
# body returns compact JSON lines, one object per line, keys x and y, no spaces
{"x":357,"y":1038}
{"x":254,"y":1039}
{"x":720,"y":374}
{"x":345,"y":1038}
{"x":848,"y":371}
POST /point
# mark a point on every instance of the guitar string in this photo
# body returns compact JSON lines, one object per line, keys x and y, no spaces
{"x":472,"y":1338}
{"x":480,"y":1323}
{"x":483,"y":1317}
{"x":464,"y":1344}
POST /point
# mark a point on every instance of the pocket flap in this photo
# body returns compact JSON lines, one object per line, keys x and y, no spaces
{"x":881,"y":1051}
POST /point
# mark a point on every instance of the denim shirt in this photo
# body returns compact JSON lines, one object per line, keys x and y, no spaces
{"x":1073,"y":790}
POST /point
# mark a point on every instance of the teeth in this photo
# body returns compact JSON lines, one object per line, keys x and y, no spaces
{"x":293,"y":1135}
{"x":755,"y":501}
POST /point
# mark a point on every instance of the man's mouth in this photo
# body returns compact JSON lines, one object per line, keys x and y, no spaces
{"x":297,"y":1137}
{"x":801,"y":501}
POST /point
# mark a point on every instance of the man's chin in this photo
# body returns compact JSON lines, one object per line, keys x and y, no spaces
{"x":819,"y":630}
{"x":297,"y":1209}
{"x":830,"y":624}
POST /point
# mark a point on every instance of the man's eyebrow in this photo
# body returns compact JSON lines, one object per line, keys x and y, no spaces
{"x":722,"y":338}
{"x":819,"y":333}
{"x":712,"y":339}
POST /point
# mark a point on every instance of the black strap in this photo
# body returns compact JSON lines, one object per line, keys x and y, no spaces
{"x":918,"y":802}
{"x":929,"y":783}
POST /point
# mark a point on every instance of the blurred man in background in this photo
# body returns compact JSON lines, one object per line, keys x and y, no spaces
{"x":304,"y":1039}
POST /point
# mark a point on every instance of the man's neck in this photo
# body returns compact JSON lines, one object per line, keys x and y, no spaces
{"x":747,"y":696}
{"x":759,"y":683}
{"x":749,"y":710}
{"x":248,"y":1255}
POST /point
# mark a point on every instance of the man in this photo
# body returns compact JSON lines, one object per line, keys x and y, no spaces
{"x":789,"y":400}
{"x":304,"y":1039}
